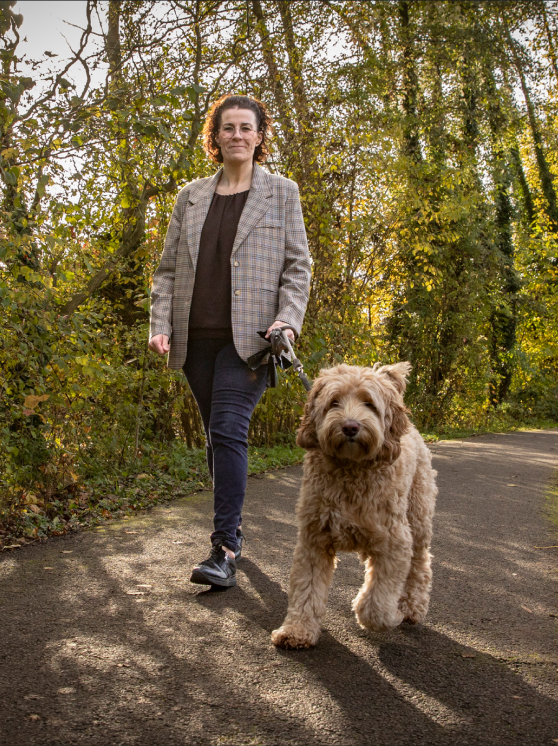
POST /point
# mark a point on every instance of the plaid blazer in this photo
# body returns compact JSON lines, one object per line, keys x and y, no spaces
{"x":270,"y":264}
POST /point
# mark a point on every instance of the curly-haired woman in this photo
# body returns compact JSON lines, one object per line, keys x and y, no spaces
{"x":235,"y":262}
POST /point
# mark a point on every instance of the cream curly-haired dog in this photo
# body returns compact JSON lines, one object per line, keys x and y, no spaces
{"x":369,"y":487}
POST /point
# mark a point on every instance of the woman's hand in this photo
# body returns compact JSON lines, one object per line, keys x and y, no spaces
{"x":278,"y":325}
{"x":159,"y":344}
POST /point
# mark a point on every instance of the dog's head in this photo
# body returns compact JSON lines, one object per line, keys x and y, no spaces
{"x":355,"y":413}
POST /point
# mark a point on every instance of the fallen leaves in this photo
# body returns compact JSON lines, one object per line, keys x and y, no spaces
{"x":76,"y":505}
{"x":31,"y":401}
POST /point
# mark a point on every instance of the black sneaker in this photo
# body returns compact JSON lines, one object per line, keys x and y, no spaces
{"x":218,"y":569}
{"x":239,"y":539}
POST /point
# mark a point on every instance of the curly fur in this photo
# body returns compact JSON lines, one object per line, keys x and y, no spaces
{"x":368,"y":487}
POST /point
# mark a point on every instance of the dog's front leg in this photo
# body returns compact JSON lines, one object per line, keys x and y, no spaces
{"x":377,"y":603}
{"x":311,"y":576}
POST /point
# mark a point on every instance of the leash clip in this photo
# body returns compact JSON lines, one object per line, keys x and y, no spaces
{"x":281,"y":343}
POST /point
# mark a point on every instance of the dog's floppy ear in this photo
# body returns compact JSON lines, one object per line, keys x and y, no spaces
{"x":397,"y":413}
{"x":307,"y":436}
{"x":397,"y":373}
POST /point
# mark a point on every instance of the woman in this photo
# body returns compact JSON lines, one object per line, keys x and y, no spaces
{"x":235,"y":262}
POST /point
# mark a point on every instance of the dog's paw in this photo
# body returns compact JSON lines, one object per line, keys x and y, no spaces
{"x":374,"y":618}
{"x":294,"y":637}
{"x":413,"y":611}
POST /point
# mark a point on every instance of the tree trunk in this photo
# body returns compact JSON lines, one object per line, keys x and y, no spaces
{"x":410,"y":86}
{"x":275,"y":80}
{"x":550,"y":40}
{"x":545,"y":175}
{"x":528,"y":204}
{"x":503,"y":318}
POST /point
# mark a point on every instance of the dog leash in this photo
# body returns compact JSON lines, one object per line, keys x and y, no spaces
{"x":279,"y":343}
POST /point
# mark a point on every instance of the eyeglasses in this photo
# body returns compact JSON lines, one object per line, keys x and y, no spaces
{"x":228,"y":130}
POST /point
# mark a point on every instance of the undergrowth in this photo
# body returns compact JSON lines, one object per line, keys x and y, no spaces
{"x":156,"y":477}
{"x":163,"y":473}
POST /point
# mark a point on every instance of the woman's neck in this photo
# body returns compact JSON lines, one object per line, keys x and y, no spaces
{"x":236,"y":177}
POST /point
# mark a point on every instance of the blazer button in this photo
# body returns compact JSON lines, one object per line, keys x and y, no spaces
{"x":237,"y":292}
{"x":237,"y":264}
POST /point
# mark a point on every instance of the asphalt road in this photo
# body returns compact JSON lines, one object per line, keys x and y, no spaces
{"x":104,"y":641}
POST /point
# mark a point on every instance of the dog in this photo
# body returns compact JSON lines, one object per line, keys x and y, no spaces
{"x":369,"y":487}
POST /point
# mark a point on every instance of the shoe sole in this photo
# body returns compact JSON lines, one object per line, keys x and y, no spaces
{"x":201,"y":579}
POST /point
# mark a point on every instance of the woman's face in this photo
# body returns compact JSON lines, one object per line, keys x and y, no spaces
{"x":238,"y":136}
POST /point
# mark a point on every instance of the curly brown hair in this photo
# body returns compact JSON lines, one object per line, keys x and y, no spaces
{"x":213,"y":123}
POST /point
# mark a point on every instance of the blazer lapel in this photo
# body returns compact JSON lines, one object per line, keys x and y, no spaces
{"x":256,"y":206}
{"x":199,"y":203}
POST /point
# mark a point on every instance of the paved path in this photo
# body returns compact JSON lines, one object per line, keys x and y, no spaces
{"x":104,"y":641}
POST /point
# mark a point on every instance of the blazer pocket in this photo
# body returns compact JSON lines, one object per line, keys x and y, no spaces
{"x":267,"y":223}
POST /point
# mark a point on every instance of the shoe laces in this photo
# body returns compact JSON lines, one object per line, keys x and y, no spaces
{"x":216,"y":549}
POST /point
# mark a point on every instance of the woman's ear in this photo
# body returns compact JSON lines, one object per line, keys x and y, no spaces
{"x":307,"y":437}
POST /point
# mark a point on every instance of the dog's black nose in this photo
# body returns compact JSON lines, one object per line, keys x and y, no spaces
{"x":351,"y":428}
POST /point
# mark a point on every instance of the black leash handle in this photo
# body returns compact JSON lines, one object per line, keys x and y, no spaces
{"x":279,"y":343}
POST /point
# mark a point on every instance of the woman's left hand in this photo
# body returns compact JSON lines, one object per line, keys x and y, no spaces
{"x":278,"y":325}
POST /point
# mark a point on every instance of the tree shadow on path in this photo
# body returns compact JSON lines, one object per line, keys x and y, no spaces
{"x":411,"y":686}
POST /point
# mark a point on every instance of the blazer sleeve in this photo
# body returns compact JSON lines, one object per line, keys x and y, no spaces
{"x":162,"y":288}
{"x":294,"y":285}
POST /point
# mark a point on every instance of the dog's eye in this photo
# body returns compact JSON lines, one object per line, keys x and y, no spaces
{"x":371,"y":406}
{"x":334,"y":403}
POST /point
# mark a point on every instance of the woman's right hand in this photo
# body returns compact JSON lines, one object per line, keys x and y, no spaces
{"x":159,"y":344}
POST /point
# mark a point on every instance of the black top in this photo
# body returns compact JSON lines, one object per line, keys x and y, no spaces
{"x":210,"y":312}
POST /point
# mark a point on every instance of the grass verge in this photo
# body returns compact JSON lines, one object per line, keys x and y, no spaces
{"x":156,"y":478}
{"x":498,"y":426}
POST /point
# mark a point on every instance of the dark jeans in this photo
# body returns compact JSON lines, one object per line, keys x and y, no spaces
{"x":226,"y":391}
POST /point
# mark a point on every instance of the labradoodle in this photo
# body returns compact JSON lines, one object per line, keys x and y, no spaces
{"x":368,"y":487}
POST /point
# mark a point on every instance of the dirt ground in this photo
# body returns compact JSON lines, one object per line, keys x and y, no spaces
{"x":104,"y":640}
